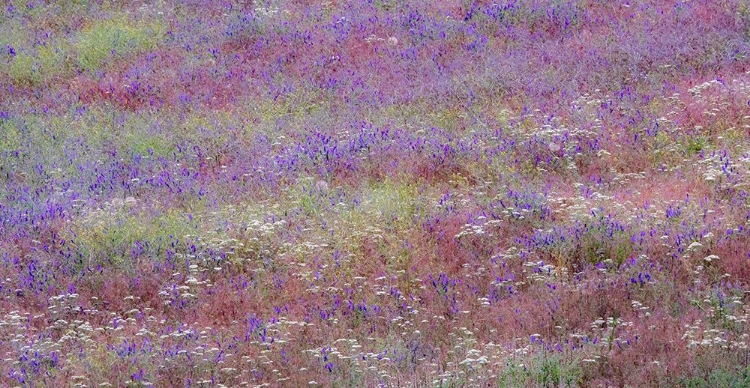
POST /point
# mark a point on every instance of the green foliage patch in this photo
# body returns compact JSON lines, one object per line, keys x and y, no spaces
{"x":115,"y":37}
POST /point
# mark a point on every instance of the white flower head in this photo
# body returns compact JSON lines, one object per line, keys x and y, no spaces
{"x":711,"y":258}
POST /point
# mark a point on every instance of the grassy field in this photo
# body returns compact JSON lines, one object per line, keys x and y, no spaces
{"x":530,"y":193}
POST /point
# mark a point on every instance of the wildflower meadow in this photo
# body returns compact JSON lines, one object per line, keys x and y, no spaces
{"x":396,"y":193}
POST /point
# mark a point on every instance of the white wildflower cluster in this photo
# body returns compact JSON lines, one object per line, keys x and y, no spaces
{"x":258,"y":236}
{"x":481,"y":226}
{"x":516,"y":214}
{"x":354,"y":354}
{"x":725,"y":327}
{"x":266,"y":11}
{"x":551,"y":133}
{"x":543,"y":272}
{"x":715,"y":97}
{"x":624,"y":179}
{"x":14,"y":327}
{"x":277,"y":333}
{"x":697,"y":90}
{"x":697,"y":336}
{"x":62,"y":312}
{"x":588,"y":207}
{"x":610,"y":331}
{"x":118,"y":203}
{"x":188,"y":289}
{"x":640,"y":309}
{"x":372,"y":38}
{"x":715,"y":169}
{"x":470,"y":361}
{"x":71,"y":329}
